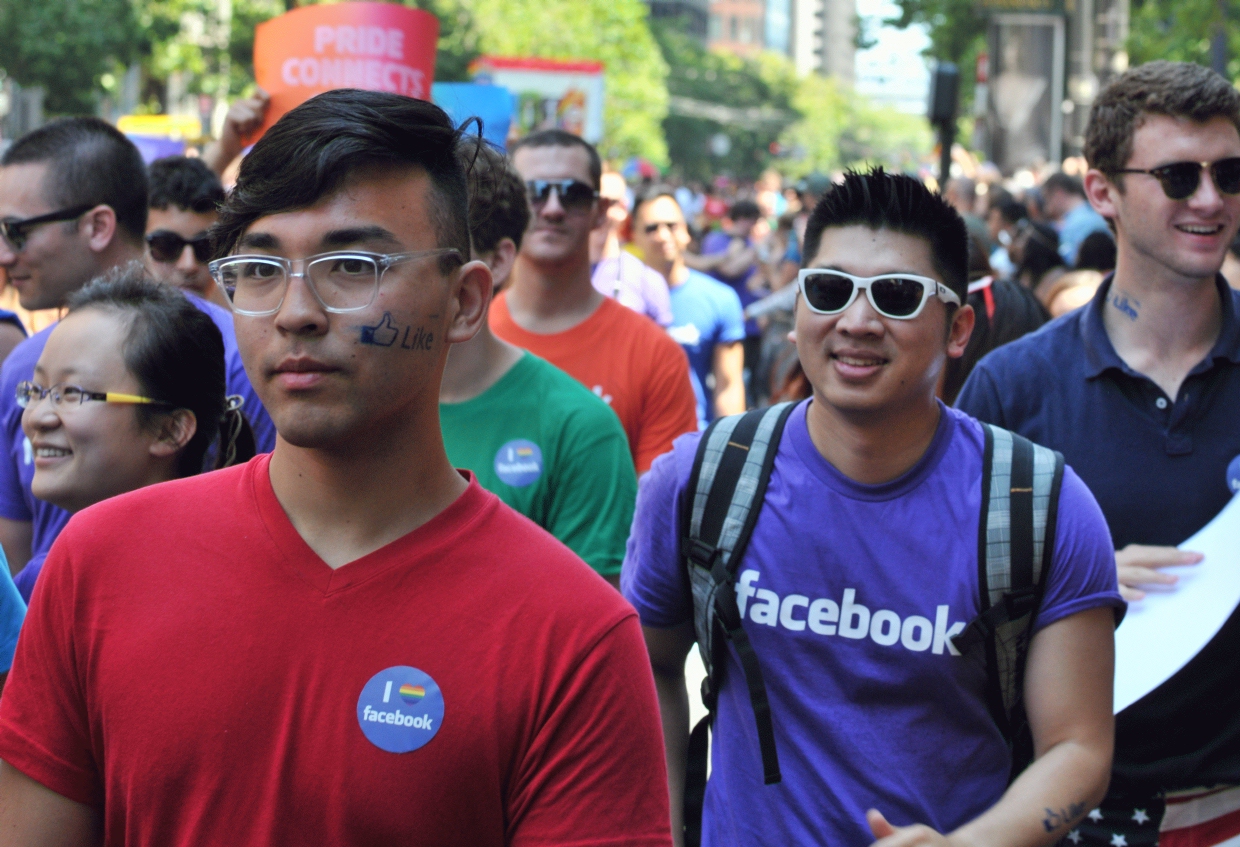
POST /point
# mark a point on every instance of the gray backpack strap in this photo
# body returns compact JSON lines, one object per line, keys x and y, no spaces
{"x":730,"y":472}
{"x":1020,"y":495}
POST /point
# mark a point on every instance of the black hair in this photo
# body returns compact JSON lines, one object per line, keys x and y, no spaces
{"x":650,"y":193}
{"x":1063,"y":182}
{"x":979,"y":258}
{"x":743,"y":210}
{"x":880,"y":200}
{"x":90,"y":163}
{"x":316,"y":146}
{"x":1016,"y":312}
{"x":1011,"y":211}
{"x":498,"y":207}
{"x":185,"y":183}
{"x":560,"y":138}
{"x":1039,"y":252}
{"x":176,"y":353}
{"x":1096,"y":253}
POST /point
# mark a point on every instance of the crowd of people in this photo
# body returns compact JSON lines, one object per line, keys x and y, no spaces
{"x":382,"y":495}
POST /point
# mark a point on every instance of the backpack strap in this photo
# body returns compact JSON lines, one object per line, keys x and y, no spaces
{"x":730,"y":473}
{"x":1020,"y":497}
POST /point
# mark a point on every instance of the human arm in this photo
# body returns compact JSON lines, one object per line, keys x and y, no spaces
{"x":669,"y":408}
{"x":1068,"y":691}
{"x":593,"y":773}
{"x":243,"y":119}
{"x":16,"y":537}
{"x":32,"y":815}
{"x":728,"y":367}
{"x":1138,"y":564}
{"x":668,"y":649}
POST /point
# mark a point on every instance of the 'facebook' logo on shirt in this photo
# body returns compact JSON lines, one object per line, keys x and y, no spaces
{"x":846,"y":619}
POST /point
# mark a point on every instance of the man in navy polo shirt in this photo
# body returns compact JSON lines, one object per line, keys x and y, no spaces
{"x":1140,"y":390}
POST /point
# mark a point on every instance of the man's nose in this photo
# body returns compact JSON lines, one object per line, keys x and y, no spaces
{"x":187,"y":261}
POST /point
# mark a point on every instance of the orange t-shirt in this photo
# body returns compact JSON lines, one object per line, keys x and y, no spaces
{"x":629,"y":361}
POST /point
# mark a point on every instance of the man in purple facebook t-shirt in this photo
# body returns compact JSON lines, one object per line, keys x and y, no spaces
{"x":863,"y":565}
{"x":73,"y":196}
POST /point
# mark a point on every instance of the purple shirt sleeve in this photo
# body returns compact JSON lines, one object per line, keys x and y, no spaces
{"x":658,"y":299}
{"x":14,"y":504}
{"x":1082,"y":574}
{"x":652,"y":578}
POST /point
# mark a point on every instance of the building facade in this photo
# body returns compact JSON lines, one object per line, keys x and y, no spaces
{"x":693,"y":13}
{"x":819,"y":36}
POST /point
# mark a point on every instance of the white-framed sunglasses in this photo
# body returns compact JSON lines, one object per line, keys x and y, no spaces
{"x":898,"y":296}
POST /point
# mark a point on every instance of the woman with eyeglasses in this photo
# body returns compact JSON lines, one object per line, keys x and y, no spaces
{"x":128,"y":392}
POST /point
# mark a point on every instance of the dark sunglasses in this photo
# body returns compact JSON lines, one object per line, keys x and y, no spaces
{"x":16,"y":232}
{"x":166,"y":246}
{"x":652,"y":228}
{"x":1180,"y":179}
{"x":574,"y":195}
{"x":899,"y":296}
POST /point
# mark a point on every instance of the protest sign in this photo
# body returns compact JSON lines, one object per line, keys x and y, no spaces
{"x":376,"y":46}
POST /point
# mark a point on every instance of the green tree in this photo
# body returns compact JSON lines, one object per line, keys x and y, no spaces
{"x":750,"y":101}
{"x":614,"y":32}
{"x":841,"y":128}
{"x":1181,"y":30}
{"x":66,"y":46}
{"x":957,"y":30}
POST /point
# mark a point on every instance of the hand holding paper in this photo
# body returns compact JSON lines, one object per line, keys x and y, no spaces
{"x":1169,"y":626}
{"x":1138,"y":565}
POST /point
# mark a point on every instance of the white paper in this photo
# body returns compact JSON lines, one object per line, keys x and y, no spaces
{"x":1162,"y":632}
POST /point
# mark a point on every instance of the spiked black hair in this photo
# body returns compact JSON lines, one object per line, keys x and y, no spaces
{"x":880,"y":200}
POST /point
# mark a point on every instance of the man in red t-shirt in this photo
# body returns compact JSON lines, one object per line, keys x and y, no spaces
{"x":345,"y":641}
{"x":552,"y":309}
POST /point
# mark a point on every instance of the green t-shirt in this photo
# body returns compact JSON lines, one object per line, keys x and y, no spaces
{"x":552,"y":450}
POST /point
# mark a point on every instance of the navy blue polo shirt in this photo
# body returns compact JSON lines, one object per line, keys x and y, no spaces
{"x":1158,"y":467}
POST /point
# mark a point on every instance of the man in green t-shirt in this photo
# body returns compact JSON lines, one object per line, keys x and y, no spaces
{"x":541,"y":441}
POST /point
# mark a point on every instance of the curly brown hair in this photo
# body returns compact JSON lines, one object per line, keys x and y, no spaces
{"x":1175,"y":89}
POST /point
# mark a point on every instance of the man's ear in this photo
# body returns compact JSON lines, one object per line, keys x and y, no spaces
{"x":99,"y":224}
{"x":471,"y":295}
{"x":175,"y":431}
{"x":959,"y":330}
{"x":1102,"y":194}
{"x":503,"y":257}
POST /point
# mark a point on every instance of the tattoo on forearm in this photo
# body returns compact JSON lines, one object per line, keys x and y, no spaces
{"x":1129,"y":307}
{"x":1063,"y":817}
{"x":386,"y":333}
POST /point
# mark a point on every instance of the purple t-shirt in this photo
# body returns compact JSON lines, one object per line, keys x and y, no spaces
{"x":633,"y":283}
{"x":849,"y":594}
{"x":17,"y":503}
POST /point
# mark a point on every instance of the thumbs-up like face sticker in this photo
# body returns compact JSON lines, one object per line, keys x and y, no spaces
{"x":382,"y":335}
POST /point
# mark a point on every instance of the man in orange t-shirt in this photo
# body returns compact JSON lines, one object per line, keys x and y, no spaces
{"x":553,"y":310}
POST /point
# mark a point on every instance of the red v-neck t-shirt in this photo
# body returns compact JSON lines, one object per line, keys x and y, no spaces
{"x":194,"y":670}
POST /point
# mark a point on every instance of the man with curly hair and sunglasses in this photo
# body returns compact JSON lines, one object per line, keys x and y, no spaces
{"x":861,"y":570}
{"x":184,"y":201}
{"x":1140,"y":390}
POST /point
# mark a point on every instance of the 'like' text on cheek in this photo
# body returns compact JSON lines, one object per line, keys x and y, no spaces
{"x":391,"y":333}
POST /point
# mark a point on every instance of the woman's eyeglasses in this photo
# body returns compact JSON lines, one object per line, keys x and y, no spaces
{"x":29,"y":393}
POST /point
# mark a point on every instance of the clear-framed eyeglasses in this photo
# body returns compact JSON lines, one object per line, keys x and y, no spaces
{"x":344,"y":281}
